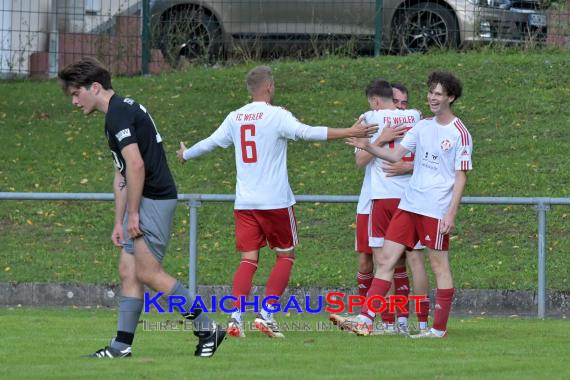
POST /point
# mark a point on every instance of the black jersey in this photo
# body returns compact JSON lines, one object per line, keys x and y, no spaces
{"x":128,"y":122}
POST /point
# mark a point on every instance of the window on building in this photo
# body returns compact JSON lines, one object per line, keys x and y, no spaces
{"x":92,"y":7}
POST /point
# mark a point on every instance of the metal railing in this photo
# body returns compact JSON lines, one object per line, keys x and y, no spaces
{"x":194,"y":201}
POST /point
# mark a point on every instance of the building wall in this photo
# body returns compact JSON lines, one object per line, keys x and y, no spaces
{"x":28,"y":33}
{"x":106,"y":10}
{"x":25,"y":25}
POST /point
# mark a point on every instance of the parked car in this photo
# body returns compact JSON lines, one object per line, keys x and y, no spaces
{"x":196,"y":28}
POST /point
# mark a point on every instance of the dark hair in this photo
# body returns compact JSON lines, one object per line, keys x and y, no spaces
{"x":380,"y":88}
{"x":400,"y":86}
{"x":84,"y":73}
{"x":451,"y":85}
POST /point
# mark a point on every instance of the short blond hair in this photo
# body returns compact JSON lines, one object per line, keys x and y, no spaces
{"x":256,"y":77}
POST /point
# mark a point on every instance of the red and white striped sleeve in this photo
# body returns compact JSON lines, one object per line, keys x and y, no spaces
{"x":463,"y":148}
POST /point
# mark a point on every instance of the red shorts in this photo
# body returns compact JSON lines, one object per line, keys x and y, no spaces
{"x":381,"y":213}
{"x":361,"y":237}
{"x":256,"y":228}
{"x":407,"y":228}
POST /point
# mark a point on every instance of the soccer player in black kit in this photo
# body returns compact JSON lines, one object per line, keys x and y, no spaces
{"x":145,"y":202}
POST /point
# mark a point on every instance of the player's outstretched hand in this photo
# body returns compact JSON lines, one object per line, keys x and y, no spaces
{"x":357,"y":142}
{"x":180,"y":153}
{"x":361,"y":129}
{"x":391,"y":134}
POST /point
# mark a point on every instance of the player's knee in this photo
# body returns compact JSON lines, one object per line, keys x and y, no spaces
{"x":250,"y":255}
{"x":126,"y":272}
{"x":414,"y":259}
{"x":286,"y":254}
{"x":401,"y":261}
{"x":385,"y":259}
{"x":365,"y":268}
{"x":285,"y":257}
{"x":417,"y":266}
{"x":365,"y":264}
{"x":144,"y":275}
{"x":440,"y":268}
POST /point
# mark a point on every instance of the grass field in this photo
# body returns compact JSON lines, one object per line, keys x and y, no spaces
{"x":48,"y":344}
{"x":514,"y":104}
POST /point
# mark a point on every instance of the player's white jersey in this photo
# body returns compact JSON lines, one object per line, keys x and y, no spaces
{"x":384,"y":187}
{"x":364,"y":202}
{"x":440,"y":151}
{"x":259,"y":132}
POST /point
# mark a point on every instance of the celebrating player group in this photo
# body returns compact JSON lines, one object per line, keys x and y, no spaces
{"x":415,"y":174}
{"x":411,"y":212}
{"x":414,"y":177}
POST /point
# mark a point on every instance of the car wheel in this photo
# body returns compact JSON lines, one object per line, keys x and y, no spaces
{"x":190,"y":34}
{"x":422,"y":27}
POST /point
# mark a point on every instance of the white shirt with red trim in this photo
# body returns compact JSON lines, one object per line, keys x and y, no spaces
{"x":259,"y":131}
{"x":383,"y":187}
{"x":440,"y":151}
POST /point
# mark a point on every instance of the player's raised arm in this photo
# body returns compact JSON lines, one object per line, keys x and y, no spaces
{"x":196,"y":150}
{"x":386,"y":136}
{"x":358,"y":129}
{"x":384,"y":153}
{"x":293,"y":129}
{"x":389,"y":134}
{"x":221,"y":138}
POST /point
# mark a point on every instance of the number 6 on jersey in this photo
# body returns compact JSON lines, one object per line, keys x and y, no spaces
{"x":249,"y":156}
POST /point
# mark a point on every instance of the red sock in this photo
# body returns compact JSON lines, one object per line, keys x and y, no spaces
{"x":378,"y":287}
{"x":402,"y":286}
{"x":388,"y":317}
{"x":364,"y":281}
{"x":243,"y":279}
{"x":443,"y":298}
{"x":423,"y":312}
{"x":279,"y":277}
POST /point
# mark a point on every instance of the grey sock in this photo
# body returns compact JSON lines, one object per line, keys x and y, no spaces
{"x":118,"y":345}
{"x":129,"y":313}
{"x":199,"y":319}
